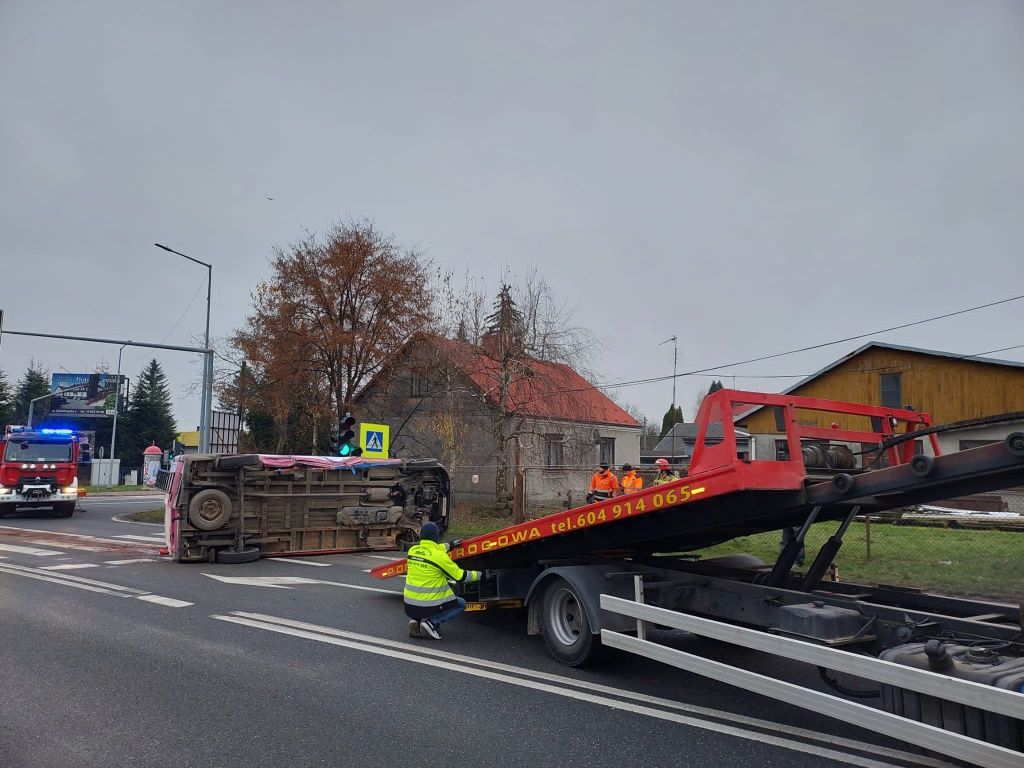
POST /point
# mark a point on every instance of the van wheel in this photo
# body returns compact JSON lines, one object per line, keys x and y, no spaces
{"x":209,"y":510}
{"x":230,"y":556}
{"x":566,"y":627}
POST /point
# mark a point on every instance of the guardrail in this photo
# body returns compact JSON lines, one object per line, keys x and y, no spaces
{"x":965,"y":692}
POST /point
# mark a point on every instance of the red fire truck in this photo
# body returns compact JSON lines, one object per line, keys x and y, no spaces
{"x":39,"y":468}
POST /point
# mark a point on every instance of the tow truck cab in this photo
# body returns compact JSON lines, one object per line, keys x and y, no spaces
{"x":39,"y":468}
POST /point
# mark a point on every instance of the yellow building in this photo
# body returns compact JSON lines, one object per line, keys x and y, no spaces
{"x":188,"y":442}
{"x":946,"y":386}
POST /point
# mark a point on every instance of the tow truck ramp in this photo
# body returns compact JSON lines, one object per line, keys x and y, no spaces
{"x":966,"y":696}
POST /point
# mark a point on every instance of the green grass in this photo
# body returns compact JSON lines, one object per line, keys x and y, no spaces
{"x":119,"y":489}
{"x":147,"y":516}
{"x":976,"y":563}
{"x":948,"y":560}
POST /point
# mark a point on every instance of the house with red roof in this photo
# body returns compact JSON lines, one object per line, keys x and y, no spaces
{"x":484,"y":413}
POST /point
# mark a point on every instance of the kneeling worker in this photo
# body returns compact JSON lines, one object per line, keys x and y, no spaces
{"x":429,"y":600}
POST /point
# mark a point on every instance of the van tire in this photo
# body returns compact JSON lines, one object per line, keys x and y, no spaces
{"x":209,"y":510}
{"x":230,"y":556}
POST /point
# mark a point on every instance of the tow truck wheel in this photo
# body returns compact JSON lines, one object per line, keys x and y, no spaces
{"x":209,"y":510}
{"x":566,"y":628}
{"x":64,"y":509}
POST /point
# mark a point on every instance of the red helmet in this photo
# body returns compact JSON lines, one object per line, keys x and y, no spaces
{"x":662,"y":463}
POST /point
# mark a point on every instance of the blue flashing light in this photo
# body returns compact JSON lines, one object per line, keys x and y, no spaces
{"x":56,"y":431}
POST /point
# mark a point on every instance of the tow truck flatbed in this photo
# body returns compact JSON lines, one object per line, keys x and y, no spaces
{"x":724,"y":497}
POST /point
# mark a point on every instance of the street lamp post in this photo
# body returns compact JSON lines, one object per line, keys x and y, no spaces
{"x":32,"y":406}
{"x":117,"y":408}
{"x":206,"y":401}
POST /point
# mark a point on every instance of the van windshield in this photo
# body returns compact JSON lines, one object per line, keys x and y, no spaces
{"x":37,"y":451}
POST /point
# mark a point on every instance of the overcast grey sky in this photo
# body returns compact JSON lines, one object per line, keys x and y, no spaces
{"x":751,"y":176}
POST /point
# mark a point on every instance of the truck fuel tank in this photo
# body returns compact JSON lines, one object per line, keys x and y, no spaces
{"x":985,"y":662}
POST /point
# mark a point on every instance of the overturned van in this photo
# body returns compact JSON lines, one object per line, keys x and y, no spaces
{"x":238,"y":508}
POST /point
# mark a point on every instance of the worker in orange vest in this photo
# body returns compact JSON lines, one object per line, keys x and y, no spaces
{"x":603,"y":485}
{"x":631,"y":482}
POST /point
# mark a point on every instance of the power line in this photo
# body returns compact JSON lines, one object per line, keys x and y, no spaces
{"x":775,"y":355}
{"x":861,"y":370}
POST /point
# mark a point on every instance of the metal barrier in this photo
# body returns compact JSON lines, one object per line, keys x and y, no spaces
{"x":986,"y":697}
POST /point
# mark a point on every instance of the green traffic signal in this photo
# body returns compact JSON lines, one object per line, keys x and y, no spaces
{"x":345,"y":437}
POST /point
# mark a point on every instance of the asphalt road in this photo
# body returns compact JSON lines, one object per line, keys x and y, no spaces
{"x":112,"y":657}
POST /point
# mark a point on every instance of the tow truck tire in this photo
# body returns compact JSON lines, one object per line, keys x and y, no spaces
{"x":566,"y":628}
{"x":230,"y":556}
{"x":209,"y":510}
{"x":64,"y":509}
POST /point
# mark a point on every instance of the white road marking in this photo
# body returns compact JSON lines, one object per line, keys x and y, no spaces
{"x":74,"y":580}
{"x":288,"y":582}
{"x":420,"y":648}
{"x":119,"y":519}
{"x":56,"y":579}
{"x":418,"y":657}
{"x":68,"y":567}
{"x":170,"y":602}
{"x":69,"y":545}
{"x":297,"y":561}
{"x":383,"y":557}
{"x":133,"y":537}
{"x":66,"y":535}
{"x":28,"y":550}
{"x":135,"y":560}
{"x":90,"y":585}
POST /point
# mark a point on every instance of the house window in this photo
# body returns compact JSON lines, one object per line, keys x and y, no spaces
{"x":417,"y":384}
{"x":892,"y":390}
{"x":608,"y":451}
{"x":553,"y":445}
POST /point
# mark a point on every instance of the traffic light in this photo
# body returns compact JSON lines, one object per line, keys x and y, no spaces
{"x":347,"y":436}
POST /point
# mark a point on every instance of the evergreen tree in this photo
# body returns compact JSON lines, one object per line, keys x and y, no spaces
{"x":149,"y":419}
{"x":506,"y":324}
{"x":6,"y":402}
{"x":35,"y":383}
{"x":673,"y":416}
{"x":715,"y":386}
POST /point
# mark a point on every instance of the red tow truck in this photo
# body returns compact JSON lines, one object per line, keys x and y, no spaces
{"x":950,"y":669}
{"x":39,"y":468}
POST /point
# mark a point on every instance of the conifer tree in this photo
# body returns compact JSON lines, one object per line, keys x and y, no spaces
{"x":150,"y":418}
{"x":35,"y":383}
{"x":6,"y":402}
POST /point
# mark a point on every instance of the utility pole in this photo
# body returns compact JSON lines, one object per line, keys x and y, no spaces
{"x":675,"y":363}
{"x":206,"y":404}
{"x":117,"y":407}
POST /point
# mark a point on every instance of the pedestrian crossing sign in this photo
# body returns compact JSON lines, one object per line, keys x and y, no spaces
{"x":374,"y":440}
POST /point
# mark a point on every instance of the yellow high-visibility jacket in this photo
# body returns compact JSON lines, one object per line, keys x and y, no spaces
{"x":429,"y":569}
{"x":665,"y":477}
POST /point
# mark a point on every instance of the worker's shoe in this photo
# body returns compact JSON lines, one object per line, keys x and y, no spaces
{"x":429,"y":630}
{"x":414,"y":628}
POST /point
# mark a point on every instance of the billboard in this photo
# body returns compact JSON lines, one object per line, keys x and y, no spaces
{"x":83,"y":394}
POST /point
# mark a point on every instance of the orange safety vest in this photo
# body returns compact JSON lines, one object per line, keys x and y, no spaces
{"x":604,"y":484}
{"x":632,"y":482}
